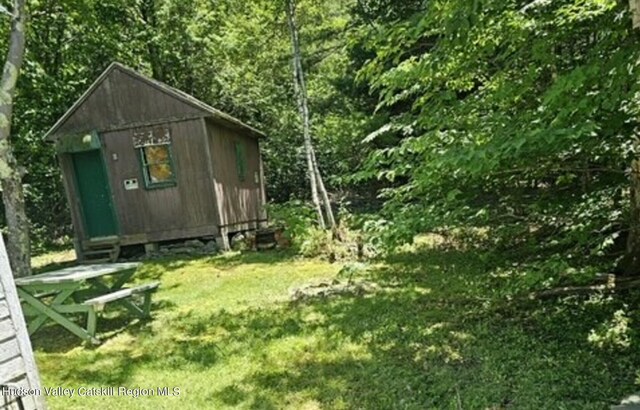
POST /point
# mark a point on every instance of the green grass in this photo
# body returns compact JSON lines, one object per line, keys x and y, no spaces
{"x":438,"y":334}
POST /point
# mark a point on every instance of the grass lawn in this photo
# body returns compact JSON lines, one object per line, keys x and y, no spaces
{"x":439,"y":333}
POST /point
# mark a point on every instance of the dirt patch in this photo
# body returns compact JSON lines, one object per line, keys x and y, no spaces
{"x":326,"y":289}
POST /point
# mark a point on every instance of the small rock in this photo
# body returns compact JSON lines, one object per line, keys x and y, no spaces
{"x":211,"y":247}
{"x":334,"y":288}
{"x":194,"y":243}
{"x":264,"y":247}
{"x":238,"y":242}
{"x":184,"y":249}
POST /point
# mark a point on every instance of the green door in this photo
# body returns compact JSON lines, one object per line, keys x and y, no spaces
{"x":95,"y":195}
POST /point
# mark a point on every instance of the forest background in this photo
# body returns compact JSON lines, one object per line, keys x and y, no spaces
{"x":513,"y":122}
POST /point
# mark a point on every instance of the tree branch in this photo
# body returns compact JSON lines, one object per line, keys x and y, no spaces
{"x":535,"y":4}
{"x":562,"y":169}
{"x":608,"y":283}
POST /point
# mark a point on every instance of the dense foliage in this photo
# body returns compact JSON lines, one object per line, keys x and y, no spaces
{"x":511,"y":120}
{"x":509,"y":116}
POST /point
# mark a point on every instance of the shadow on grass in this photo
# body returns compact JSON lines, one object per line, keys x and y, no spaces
{"x":434,"y":336}
{"x":112,"y":368}
{"x":54,"y":266}
{"x":53,"y":338}
{"x":232,"y":260}
{"x":433,"y":341}
{"x":155,"y":269}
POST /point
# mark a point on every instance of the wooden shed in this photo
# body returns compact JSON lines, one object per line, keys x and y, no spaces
{"x":145,"y":163}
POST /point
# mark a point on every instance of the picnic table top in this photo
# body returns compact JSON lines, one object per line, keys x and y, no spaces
{"x":76,"y":273}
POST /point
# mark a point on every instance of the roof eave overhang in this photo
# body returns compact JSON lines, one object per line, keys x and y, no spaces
{"x":229,"y":122}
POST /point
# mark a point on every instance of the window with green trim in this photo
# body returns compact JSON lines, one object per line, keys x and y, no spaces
{"x":241,"y":161}
{"x":157,"y":166}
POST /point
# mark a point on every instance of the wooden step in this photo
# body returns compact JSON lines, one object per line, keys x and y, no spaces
{"x":95,"y":261}
{"x":100,"y":247}
{"x":105,"y":239}
{"x":101,"y":242}
{"x":97,"y":252}
{"x":102,"y":254}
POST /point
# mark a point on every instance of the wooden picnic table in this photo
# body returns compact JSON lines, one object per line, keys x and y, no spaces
{"x":59,"y":295}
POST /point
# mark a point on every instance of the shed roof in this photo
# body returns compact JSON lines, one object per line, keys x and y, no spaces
{"x":207,"y":110}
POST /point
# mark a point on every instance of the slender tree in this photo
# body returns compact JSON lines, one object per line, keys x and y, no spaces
{"x":631,"y":261}
{"x":323,"y":191}
{"x":315,"y":177}
{"x":10,"y":173}
{"x":147,"y":9}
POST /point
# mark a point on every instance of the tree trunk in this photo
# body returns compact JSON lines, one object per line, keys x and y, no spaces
{"x":631,"y":261}
{"x":148,"y":13}
{"x":10,"y":172}
{"x":323,"y":191}
{"x":303,"y":107}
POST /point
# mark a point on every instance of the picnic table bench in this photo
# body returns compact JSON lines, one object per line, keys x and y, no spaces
{"x":58,"y":296}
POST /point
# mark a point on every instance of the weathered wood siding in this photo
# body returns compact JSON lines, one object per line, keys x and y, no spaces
{"x":186,"y":209}
{"x":122,"y":100}
{"x":239,"y":202}
{"x":66,"y":164}
{"x":17,"y":365}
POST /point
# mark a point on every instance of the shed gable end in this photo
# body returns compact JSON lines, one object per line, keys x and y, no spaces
{"x":120,"y":99}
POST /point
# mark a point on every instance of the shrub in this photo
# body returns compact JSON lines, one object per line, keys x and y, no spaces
{"x":298,"y":219}
{"x":316,"y":242}
{"x":613,"y":333}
